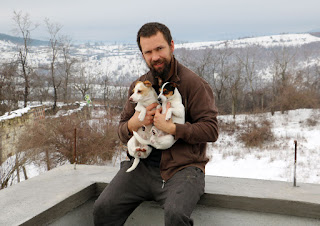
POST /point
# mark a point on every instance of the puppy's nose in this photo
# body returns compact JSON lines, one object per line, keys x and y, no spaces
{"x":130,"y":99}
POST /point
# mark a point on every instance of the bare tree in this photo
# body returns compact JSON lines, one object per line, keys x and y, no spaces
{"x":221,"y":72}
{"x":66,"y":66}
{"x":41,"y":85}
{"x":10,"y":169}
{"x":282,"y":57}
{"x":9,"y":95}
{"x":83,"y":81}
{"x":23,"y":27}
{"x":235,"y":83}
{"x":247,"y":57}
{"x":53,"y":30}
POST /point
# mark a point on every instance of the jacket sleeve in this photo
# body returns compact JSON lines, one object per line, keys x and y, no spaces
{"x":127,"y":113}
{"x":201,"y":116}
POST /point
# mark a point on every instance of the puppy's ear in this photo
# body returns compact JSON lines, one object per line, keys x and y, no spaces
{"x":147,"y":83}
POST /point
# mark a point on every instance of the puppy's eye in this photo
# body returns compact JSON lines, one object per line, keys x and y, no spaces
{"x":139,"y":91}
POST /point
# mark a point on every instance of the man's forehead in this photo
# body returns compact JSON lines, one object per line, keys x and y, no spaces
{"x":152,"y":42}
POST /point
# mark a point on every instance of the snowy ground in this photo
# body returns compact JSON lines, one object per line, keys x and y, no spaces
{"x":273,"y":161}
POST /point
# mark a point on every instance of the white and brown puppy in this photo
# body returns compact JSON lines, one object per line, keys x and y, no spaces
{"x":144,"y":95}
{"x":158,"y":138}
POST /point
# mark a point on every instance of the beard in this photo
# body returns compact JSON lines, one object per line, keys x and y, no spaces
{"x":162,"y":73}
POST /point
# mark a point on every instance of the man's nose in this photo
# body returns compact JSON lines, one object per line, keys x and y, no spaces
{"x":155,"y":57}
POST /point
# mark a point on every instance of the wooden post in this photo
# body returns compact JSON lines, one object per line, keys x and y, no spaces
{"x":295,"y":165}
{"x":75,"y":148}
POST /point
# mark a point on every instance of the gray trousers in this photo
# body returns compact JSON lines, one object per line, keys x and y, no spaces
{"x":178,"y":196}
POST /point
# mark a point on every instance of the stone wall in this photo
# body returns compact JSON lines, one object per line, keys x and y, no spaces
{"x":12,"y":127}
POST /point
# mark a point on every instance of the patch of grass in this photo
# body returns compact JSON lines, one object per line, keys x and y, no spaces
{"x":228,"y":127}
{"x":311,"y":122}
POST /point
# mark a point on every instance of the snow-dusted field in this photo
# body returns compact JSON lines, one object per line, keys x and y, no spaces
{"x":275,"y":160}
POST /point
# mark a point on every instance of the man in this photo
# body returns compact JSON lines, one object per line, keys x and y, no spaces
{"x":172,"y":177}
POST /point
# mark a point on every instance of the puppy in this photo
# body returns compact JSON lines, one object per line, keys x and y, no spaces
{"x":170,"y":93}
{"x":158,"y":138}
{"x":143,"y":95}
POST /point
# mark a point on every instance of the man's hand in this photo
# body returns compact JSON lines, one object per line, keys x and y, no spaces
{"x":162,"y":124}
{"x":134,"y":123}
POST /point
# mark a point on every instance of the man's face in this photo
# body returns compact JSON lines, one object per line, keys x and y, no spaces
{"x":157,"y":53}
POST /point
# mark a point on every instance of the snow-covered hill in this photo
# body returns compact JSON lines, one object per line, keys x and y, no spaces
{"x":124,"y":60}
{"x":264,"y":41}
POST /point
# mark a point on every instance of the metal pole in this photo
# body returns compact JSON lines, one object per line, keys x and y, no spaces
{"x":75,"y":148}
{"x":295,"y":164}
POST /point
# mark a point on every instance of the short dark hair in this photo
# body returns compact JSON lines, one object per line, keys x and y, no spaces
{"x":150,"y":29}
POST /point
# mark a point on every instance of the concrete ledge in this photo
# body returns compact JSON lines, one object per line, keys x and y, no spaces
{"x":46,"y":198}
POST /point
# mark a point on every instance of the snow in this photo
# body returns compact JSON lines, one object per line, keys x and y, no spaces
{"x":274,"y":161}
{"x":13,"y":114}
{"x":264,"y":41}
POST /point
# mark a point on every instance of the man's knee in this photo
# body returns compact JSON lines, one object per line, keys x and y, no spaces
{"x":103,"y":210}
{"x":100,"y":210}
{"x":175,"y":215}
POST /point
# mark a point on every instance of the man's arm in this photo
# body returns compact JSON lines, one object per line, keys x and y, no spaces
{"x":201,"y":122}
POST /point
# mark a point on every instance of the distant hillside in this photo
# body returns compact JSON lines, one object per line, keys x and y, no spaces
{"x":17,"y":40}
{"x":317,"y":34}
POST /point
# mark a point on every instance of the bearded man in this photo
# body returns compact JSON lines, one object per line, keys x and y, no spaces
{"x":173,"y":177}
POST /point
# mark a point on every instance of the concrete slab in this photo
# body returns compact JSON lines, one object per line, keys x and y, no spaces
{"x":50,"y":196}
{"x":37,"y":200}
{"x":150,"y":213}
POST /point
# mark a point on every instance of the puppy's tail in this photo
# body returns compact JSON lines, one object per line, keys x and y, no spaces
{"x":140,"y":139}
{"x":134,"y":165}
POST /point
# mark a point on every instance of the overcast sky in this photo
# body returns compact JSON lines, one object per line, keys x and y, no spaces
{"x":197,"y":20}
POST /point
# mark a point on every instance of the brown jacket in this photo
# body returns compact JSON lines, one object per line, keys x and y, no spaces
{"x":201,"y":122}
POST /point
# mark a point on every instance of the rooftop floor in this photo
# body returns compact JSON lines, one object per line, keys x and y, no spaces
{"x":64,"y":196}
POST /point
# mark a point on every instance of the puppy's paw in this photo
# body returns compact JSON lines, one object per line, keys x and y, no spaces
{"x":168,"y":115}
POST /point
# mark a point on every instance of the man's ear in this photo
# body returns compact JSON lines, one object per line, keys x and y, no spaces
{"x":172,"y":46}
{"x":147,"y":83}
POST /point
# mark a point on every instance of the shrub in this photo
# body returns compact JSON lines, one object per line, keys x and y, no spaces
{"x":53,"y":140}
{"x":255,"y":135}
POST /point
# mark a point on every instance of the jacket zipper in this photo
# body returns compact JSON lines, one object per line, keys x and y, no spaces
{"x":163,"y":183}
